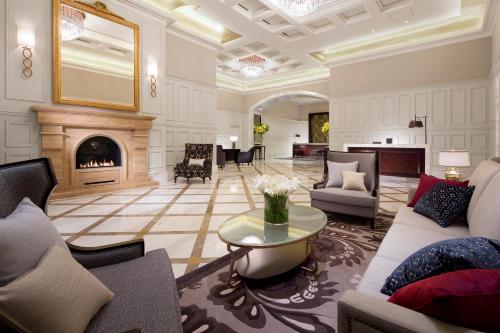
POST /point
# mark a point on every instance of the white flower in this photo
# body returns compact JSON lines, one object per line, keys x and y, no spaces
{"x":276,"y":185}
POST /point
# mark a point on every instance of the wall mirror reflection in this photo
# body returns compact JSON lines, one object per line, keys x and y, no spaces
{"x":95,"y":57}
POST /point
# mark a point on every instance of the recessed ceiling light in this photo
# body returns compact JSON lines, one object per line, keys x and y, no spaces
{"x":406,"y":22}
{"x":373,"y":30}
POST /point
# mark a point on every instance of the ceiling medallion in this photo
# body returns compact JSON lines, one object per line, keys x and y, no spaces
{"x":252,"y":66}
{"x":298,"y":7}
{"x":72,"y":23}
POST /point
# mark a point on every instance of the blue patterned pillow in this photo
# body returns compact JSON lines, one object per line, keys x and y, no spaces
{"x":444,"y":256}
{"x":444,"y":203}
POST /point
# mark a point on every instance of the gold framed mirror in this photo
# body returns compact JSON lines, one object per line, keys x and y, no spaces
{"x":96,"y":56}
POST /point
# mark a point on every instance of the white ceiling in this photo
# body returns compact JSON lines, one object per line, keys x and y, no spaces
{"x":286,"y":42}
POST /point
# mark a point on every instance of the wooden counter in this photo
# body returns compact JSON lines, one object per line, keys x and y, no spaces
{"x":308,"y":149}
{"x":401,"y":161}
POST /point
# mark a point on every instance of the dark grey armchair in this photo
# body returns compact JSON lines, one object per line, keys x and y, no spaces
{"x":144,"y":287}
{"x":246,"y":156}
{"x":357,"y":203}
{"x":221,"y":157}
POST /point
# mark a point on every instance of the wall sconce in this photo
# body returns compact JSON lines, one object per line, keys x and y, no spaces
{"x":26,"y":41}
{"x":153,"y":74}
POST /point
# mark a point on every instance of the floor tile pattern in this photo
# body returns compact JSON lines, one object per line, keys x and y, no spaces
{"x":183,"y":218}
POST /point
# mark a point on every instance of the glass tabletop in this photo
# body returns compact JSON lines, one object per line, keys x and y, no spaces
{"x":249,"y":229}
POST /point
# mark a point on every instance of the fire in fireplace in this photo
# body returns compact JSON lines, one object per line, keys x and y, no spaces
{"x":98,"y":152}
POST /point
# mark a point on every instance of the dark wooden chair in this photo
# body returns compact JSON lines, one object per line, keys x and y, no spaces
{"x":221,"y":157}
{"x":246,"y":156}
{"x":145,"y":279}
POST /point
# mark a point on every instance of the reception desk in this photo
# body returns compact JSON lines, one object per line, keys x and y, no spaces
{"x":398,"y":160}
{"x":308,"y":149}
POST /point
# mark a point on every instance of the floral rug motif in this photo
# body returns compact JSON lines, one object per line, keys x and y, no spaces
{"x":295,"y":301}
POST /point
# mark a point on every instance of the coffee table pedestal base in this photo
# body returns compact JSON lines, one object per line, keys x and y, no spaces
{"x":264,"y":263}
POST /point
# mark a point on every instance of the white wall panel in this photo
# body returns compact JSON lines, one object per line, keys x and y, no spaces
{"x":457,"y":119}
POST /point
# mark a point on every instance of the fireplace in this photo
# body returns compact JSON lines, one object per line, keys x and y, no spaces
{"x":98,"y":152}
{"x":94,"y":151}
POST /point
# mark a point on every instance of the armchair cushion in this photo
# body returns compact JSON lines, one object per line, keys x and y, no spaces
{"x":354,"y":181}
{"x":145,"y":296}
{"x":25,"y":236}
{"x":196,"y":162}
{"x":59,"y":295}
{"x":344,"y":197}
{"x":335,"y":176}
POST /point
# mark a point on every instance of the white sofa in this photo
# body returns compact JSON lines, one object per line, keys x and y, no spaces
{"x":366,"y":310}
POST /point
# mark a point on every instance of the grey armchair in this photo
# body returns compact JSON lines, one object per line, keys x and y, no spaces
{"x":144,"y":287}
{"x":357,"y":203}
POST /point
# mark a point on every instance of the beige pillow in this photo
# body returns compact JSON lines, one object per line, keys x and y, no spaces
{"x":196,"y":161}
{"x":354,"y":181}
{"x":59,"y":295}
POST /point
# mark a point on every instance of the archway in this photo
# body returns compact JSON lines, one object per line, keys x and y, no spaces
{"x":279,"y":97}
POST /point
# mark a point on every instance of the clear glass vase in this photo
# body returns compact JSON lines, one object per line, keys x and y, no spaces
{"x":276,"y":209}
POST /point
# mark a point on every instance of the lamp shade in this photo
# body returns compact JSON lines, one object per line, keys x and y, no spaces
{"x":454,"y":158}
{"x":233,"y":138}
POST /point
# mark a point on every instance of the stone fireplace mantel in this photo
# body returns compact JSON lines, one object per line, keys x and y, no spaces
{"x":64,"y":129}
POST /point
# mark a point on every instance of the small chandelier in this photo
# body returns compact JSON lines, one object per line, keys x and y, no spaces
{"x":298,"y":7}
{"x":252,"y":66}
{"x":72,"y":23}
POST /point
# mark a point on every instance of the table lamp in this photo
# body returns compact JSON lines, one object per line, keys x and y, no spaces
{"x":453,"y":160}
{"x":233,"y":140}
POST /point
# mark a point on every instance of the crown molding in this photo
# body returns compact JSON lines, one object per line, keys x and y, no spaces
{"x":492,"y":15}
{"x":144,"y":7}
{"x":184,"y":33}
{"x":397,"y":50}
{"x":290,"y":79}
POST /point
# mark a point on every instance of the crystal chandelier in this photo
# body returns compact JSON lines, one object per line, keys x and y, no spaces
{"x":252,"y":66}
{"x":72,"y":23}
{"x":298,"y":7}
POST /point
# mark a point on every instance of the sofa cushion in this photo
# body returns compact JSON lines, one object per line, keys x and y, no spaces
{"x":480,"y":179}
{"x":442,"y":257}
{"x":27,"y":225}
{"x":406,"y":216}
{"x":444,"y":203}
{"x":335,"y":176}
{"x":469,"y":298}
{"x":485,"y":219}
{"x":59,"y":295}
{"x":374,"y":277}
{"x":145,"y":296}
{"x":426,"y":183}
{"x":345,"y":197}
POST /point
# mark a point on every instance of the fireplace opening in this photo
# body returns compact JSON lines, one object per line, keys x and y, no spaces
{"x":98,"y":152}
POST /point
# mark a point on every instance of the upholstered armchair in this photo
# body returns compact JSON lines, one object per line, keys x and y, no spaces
{"x":246,"y":156}
{"x":195,"y":151}
{"x":143,"y":284}
{"x":349,"y":202}
{"x":221,"y":157}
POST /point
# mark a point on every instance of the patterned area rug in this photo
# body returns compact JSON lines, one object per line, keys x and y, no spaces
{"x":295,"y":301}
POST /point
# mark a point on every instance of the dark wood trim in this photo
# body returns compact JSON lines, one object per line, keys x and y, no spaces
{"x":309,"y":127}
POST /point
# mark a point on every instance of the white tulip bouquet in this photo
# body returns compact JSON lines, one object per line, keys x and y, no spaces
{"x":276,"y":190}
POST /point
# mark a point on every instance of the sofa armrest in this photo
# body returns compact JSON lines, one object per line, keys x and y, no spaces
{"x":358,"y":312}
{"x":91,"y":257}
{"x":412,"y":189}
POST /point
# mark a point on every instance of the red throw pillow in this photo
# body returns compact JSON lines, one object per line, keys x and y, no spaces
{"x":427,"y":182}
{"x":469,"y":298}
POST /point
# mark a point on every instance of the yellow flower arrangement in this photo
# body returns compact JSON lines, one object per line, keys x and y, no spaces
{"x":326,"y":128}
{"x":260,"y":129}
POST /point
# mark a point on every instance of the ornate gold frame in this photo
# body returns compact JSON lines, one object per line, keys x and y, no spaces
{"x":99,"y":9}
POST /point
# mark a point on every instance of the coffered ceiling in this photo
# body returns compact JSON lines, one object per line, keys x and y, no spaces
{"x":340,"y":31}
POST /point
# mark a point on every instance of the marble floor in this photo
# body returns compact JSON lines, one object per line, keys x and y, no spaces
{"x":183,"y":218}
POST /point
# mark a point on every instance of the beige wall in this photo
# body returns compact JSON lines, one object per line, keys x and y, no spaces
{"x":229,"y":101}
{"x":286,"y":110}
{"x":189,"y":61}
{"x":313,"y":108}
{"x":496,"y":43}
{"x":456,"y":62}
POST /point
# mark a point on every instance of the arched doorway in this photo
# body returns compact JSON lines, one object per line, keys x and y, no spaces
{"x":301,"y":97}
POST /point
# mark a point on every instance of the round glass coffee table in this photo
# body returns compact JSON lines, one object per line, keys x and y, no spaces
{"x":275,"y":249}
